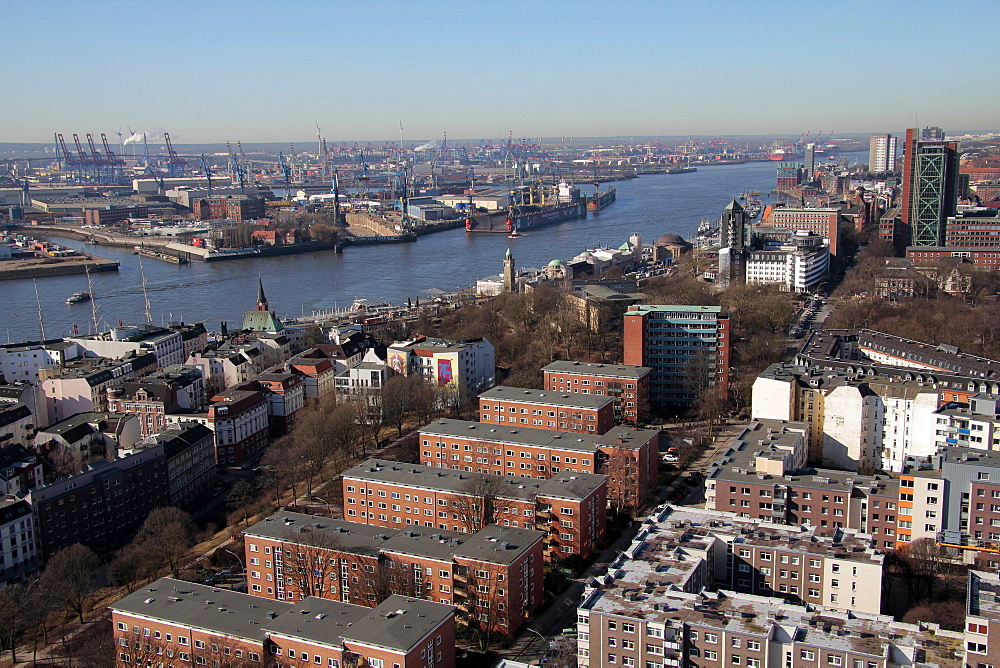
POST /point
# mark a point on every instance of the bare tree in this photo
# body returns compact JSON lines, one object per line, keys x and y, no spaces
{"x":70,"y":577}
{"x":396,"y":402}
{"x":283,"y":465}
{"x":622,"y":470}
{"x":15,"y":605}
{"x":483,"y":500}
{"x":168,"y":533}
{"x":243,"y":497}
{"x":134,"y":565}
{"x":309,"y":560}
{"x":480,"y":593}
{"x":423,"y":399}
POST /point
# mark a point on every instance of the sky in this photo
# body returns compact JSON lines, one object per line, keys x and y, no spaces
{"x":256,"y":70}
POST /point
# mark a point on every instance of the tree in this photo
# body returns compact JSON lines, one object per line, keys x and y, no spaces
{"x":623,"y":489}
{"x":309,"y":559}
{"x":283,"y":465}
{"x":396,"y":402}
{"x":134,"y":565}
{"x":423,"y":399}
{"x":168,"y":532}
{"x":345,"y":434}
{"x":15,"y":605}
{"x":477,"y":590}
{"x":483,"y":499}
{"x":315,"y":443}
{"x":243,"y":496}
{"x":70,"y":577}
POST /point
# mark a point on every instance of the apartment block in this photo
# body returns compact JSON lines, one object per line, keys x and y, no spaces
{"x":81,"y":385}
{"x":493,"y":576}
{"x":541,"y":409}
{"x":189,"y":449}
{"x":705,"y":588}
{"x":982,"y":619}
{"x":286,"y":396}
{"x":176,"y":621}
{"x":20,"y":470}
{"x":627,"y":385}
{"x":19,"y":556}
{"x":103,"y":506}
{"x":468,"y":366}
{"x":240,"y":423}
{"x":627,"y":456}
{"x":763,"y":476}
{"x":823,"y":221}
{"x":317,"y":371}
{"x":569,"y":508}
{"x":687,"y":347}
{"x":165,"y":344}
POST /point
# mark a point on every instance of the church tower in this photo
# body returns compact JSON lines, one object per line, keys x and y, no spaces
{"x":261,"y":299}
{"x":509,"y":274}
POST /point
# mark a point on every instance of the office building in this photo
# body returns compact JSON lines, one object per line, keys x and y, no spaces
{"x":735,"y":239}
{"x":930,"y":185}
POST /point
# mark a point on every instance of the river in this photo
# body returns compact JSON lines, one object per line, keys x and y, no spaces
{"x":299,"y":284}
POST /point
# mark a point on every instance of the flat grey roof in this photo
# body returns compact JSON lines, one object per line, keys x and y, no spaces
{"x":596,"y":369}
{"x":546,"y":397}
{"x":565,"y":484}
{"x":228,"y":612}
{"x":354,"y":538}
{"x":398,"y":623}
{"x":542,"y":438}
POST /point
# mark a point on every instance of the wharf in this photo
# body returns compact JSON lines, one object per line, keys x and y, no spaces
{"x":54,"y":266}
{"x":158,"y":255}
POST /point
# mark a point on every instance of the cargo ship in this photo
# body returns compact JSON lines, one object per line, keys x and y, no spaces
{"x":526,"y":216}
{"x":600,"y":200}
{"x":785,"y":153}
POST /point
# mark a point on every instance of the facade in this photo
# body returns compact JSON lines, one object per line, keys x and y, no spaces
{"x":735,"y":240}
{"x":189,"y":449}
{"x":165,"y":344}
{"x":195,"y":624}
{"x":239,"y":420}
{"x":568,"y":411}
{"x":81,"y":385}
{"x":627,"y":456}
{"x":317,"y":371}
{"x":17,"y":424}
{"x":156,"y":395}
{"x":986,"y":259}
{"x":687,"y":347}
{"x":20,"y":471}
{"x":19,"y":557}
{"x":85,"y":437}
{"x":466,"y":367}
{"x":627,"y":385}
{"x":799,"y":264}
{"x":103,"y":506}
{"x":228,"y":207}
{"x":569,"y":508}
{"x":823,"y":221}
{"x":492,"y":576}
{"x":930,"y":185}
{"x":973,"y":228}
{"x":22,"y":362}
{"x":882,"y":153}
{"x":286,"y":396}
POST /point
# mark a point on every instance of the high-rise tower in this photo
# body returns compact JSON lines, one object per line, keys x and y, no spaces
{"x":881,"y":153}
{"x":734,"y":242}
{"x":930,"y":185}
{"x":509,"y":274}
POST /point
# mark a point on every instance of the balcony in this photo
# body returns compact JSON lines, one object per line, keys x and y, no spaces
{"x":460,"y":576}
{"x":544,"y":512}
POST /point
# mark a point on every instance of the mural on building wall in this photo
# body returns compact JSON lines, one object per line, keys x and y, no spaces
{"x":397,"y":362}
{"x":444,"y":373}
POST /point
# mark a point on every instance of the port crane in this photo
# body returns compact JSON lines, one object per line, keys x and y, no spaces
{"x":175,"y":164}
{"x":161,"y":187}
{"x":287,"y":171}
{"x":208,"y":172}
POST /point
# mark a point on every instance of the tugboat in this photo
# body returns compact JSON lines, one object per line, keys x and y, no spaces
{"x":78,"y":297}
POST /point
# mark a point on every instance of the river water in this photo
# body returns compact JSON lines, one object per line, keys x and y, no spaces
{"x":299,"y":284}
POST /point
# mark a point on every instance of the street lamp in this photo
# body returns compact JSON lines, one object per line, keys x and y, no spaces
{"x":318,"y":498}
{"x":242,"y":567}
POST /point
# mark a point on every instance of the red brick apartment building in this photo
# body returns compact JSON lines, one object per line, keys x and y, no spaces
{"x":570,"y":508}
{"x":627,"y":385}
{"x":540,"y":409}
{"x":172,"y":622}
{"x":627,"y":456}
{"x":494,"y":576}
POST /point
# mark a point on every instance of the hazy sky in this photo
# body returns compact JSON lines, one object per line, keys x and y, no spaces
{"x":258,"y":70}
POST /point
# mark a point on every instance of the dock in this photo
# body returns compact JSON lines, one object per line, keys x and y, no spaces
{"x":159,"y":255}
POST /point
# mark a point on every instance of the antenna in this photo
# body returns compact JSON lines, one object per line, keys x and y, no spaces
{"x":145,"y":294}
{"x":41,"y":322}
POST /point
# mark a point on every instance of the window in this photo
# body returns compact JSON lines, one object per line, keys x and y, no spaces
{"x":712,"y":638}
{"x":835,"y":660}
{"x":807,"y":655}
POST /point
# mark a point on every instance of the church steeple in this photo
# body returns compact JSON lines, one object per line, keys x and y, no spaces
{"x":261,"y":299}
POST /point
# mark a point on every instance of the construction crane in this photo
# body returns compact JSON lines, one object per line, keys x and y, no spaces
{"x":208,"y":172}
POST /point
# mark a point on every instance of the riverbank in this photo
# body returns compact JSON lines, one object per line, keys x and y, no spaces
{"x":55,"y":266}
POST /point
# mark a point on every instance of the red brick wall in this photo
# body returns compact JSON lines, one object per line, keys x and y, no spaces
{"x":634,"y":340}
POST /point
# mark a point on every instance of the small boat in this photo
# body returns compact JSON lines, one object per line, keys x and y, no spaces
{"x":78,"y":297}
{"x":514,"y":235}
